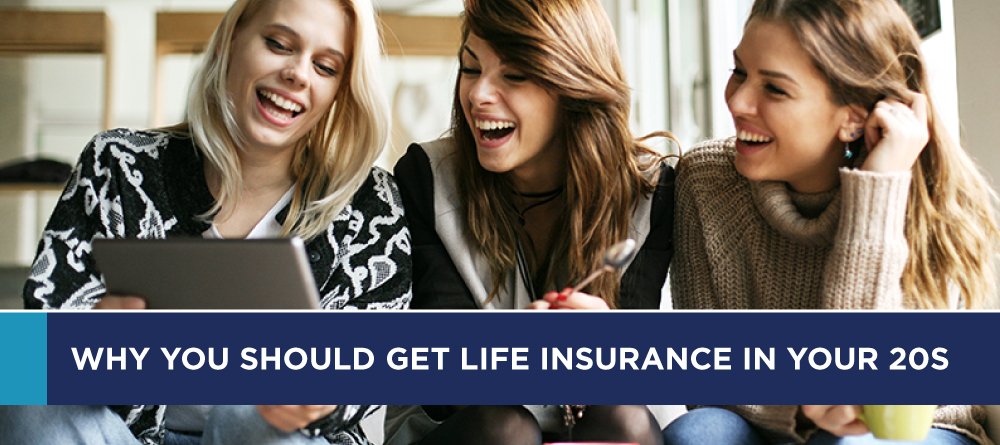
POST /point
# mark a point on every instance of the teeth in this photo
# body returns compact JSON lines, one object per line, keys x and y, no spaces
{"x":275,"y":113}
{"x":746,"y":136}
{"x":493,"y":125}
{"x":282,"y":102}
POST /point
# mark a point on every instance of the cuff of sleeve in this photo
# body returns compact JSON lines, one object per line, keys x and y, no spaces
{"x":333,"y":421}
{"x":874,"y":205}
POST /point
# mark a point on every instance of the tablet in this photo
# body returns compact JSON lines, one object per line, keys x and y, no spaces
{"x":197,"y":273}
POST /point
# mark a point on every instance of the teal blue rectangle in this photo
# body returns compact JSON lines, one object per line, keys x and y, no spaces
{"x":23,"y":358}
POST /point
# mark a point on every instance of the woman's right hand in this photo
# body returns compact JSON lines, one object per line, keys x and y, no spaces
{"x":121,"y":302}
{"x":565,"y":300}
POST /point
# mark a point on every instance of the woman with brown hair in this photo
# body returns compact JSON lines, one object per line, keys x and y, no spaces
{"x":841,"y":190}
{"x":539,"y":176}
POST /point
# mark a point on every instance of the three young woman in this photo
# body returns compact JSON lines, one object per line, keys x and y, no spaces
{"x":538,"y":177}
{"x":841,"y":190}
{"x":286,"y":118}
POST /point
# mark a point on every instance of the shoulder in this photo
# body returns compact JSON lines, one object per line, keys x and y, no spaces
{"x":123,"y":149}
{"x":413,"y":163}
{"x":706,"y":176}
{"x":427,"y":168}
{"x":711,"y":154}
{"x":414,"y":172}
{"x":437,"y":150}
{"x":423,"y":158}
{"x":379,"y":191}
{"x":131,"y":141}
{"x":709,"y":164}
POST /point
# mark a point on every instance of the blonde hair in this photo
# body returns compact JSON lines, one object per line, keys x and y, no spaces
{"x":568,"y":48}
{"x":333,"y":159}
{"x":869,"y":50}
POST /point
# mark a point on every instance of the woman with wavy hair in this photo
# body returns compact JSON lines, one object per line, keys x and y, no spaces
{"x":841,"y":190}
{"x":539,"y":176}
{"x":286,"y":118}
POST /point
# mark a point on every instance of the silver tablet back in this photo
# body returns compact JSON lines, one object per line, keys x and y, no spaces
{"x":196,"y":273}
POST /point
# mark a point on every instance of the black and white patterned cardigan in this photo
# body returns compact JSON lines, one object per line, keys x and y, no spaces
{"x":151,"y":184}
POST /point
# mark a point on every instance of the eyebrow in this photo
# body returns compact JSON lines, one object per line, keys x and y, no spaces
{"x":287,"y":29}
{"x":465,"y":48}
{"x":769,"y":73}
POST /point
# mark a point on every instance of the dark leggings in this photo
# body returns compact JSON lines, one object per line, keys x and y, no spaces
{"x":515,"y":425}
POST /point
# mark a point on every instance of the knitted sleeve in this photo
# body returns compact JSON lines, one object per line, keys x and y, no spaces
{"x":870,"y":251}
{"x":371,"y":250}
{"x":64,"y":273}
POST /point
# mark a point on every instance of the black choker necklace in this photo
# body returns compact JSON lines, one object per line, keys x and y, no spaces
{"x":547,"y":194}
{"x":548,"y":197}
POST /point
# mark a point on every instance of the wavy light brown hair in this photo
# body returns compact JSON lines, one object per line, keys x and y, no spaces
{"x":331,"y":161}
{"x":868,"y":50}
{"x":568,"y":48}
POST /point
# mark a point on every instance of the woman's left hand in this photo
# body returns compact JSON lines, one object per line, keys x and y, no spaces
{"x":896,"y":133}
{"x":289,"y":418}
{"x":839,"y":420}
{"x":576,"y":300}
{"x":119,"y":302}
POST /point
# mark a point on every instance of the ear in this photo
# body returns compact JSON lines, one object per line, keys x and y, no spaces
{"x":852,"y":124}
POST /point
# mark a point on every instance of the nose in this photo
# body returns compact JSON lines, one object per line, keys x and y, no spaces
{"x":296,"y":72}
{"x":741,"y":100}
{"x":483,"y":92}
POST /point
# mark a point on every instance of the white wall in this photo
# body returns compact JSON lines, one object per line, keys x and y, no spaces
{"x":52,"y":104}
{"x":12,"y":145}
{"x":939,"y":52}
{"x":978,"y":61}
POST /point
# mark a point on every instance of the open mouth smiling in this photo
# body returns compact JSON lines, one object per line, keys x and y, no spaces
{"x":753,"y":139}
{"x":278,"y":106}
{"x":493,"y":130}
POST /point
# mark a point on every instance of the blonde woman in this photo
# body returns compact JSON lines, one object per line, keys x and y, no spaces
{"x":842,"y":190}
{"x":285,"y":121}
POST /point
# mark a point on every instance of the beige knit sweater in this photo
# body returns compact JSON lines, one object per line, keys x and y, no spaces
{"x":744,"y":244}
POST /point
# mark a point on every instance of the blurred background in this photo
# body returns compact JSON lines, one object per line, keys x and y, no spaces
{"x":71,"y":68}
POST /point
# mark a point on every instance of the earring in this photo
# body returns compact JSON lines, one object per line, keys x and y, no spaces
{"x":848,"y":154}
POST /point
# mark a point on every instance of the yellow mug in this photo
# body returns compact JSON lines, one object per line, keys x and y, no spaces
{"x":909,"y":423}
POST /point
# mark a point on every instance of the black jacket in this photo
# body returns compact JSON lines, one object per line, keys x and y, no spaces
{"x":437,"y":282}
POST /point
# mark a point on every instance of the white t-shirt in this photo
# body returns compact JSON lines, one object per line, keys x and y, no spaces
{"x":267,"y":227}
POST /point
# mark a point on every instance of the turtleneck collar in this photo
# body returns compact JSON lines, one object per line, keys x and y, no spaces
{"x":803,"y":218}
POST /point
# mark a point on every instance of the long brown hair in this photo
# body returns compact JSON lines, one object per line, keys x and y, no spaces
{"x":568,"y":48}
{"x":868,"y":50}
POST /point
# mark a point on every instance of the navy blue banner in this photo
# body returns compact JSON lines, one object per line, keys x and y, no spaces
{"x":523,"y":357}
